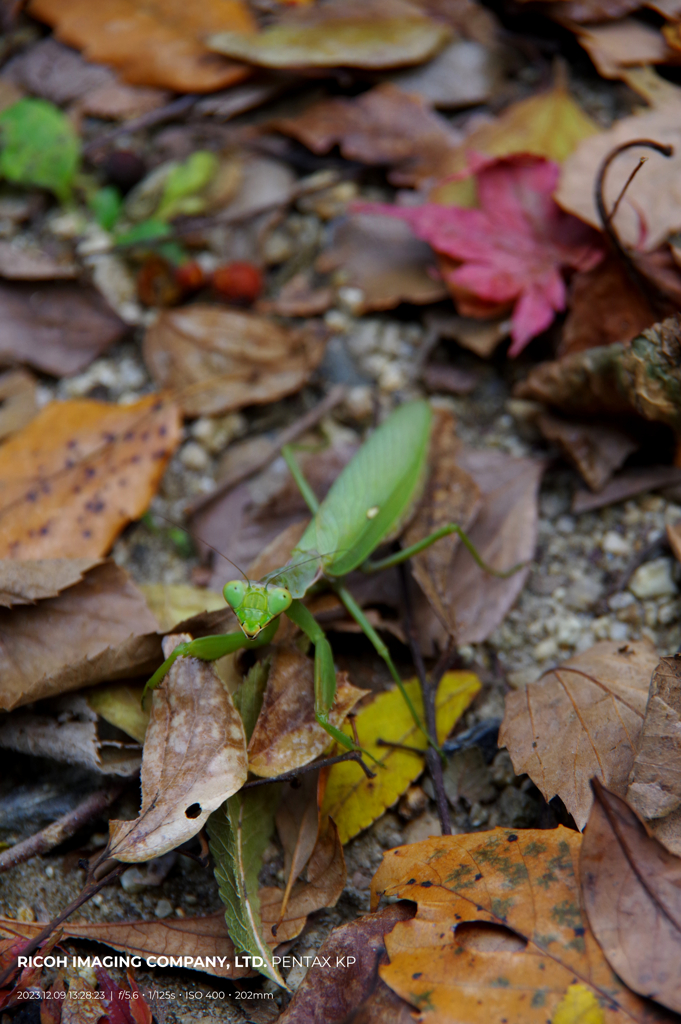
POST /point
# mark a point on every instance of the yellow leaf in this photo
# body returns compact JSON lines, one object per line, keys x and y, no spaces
{"x":352,"y":800}
{"x":121,"y":705}
{"x":174,"y":603}
{"x":549,"y":125}
{"x":578,"y":1006}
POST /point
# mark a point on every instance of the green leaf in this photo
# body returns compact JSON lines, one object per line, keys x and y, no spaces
{"x":39,"y":146}
{"x":146,"y":231}
{"x":106,"y":204}
{"x":239,"y":832}
{"x":180,"y":195}
{"x":248,"y":697}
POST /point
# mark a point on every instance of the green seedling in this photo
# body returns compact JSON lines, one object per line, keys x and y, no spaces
{"x":368,"y":505}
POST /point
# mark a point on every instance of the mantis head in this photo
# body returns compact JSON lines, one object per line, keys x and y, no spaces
{"x":255,"y":604}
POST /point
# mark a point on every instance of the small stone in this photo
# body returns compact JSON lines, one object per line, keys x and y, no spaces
{"x":523,"y":677}
{"x":351,"y":299}
{"x":49,"y":871}
{"x":423,"y":827}
{"x":134,"y":881}
{"x":413,"y":803}
{"x":619,"y":631}
{"x":546,"y":649}
{"x":478,"y":815}
{"x":98,"y":900}
{"x":615,"y":544}
{"x":359,"y":402}
{"x":619,"y":601}
{"x":668,"y":612}
{"x":653,"y":579}
{"x":194,"y":456}
{"x":191,"y":899}
{"x":278,"y":247}
{"x":581,"y":594}
{"x":164,"y":908}
{"x":502,"y":769}
{"x":565,"y":525}
{"x":393,"y":377}
{"x":296,"y":975}
{"x":179,"y":912}
{"x":25,"y":914}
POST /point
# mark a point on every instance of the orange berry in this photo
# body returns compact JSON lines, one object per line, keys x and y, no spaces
{"x":238,"y":282}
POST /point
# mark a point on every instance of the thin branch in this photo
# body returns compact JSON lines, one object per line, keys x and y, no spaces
{"x":627,"y":183}
{"x":429,"y":691}
{"x":646,"y":287}
{"x":61,"y":829}
{"x":351,"y":755}
{"x":287,"y":436}
{"x":153,"y":117}
{"x":87,"y":893}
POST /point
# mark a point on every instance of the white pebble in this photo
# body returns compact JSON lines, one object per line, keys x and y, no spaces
{"x":194,"y":456}
{"x":546,"y":649}
{"x":619,"y":631}
{"x":653,"y":579}
{"x":615,"y":544}
{"x":164,"y":908}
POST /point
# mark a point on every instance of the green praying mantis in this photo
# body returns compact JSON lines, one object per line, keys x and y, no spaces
{"x":368,"y":505}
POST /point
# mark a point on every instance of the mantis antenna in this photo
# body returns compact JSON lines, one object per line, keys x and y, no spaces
{"x":197,"y":537}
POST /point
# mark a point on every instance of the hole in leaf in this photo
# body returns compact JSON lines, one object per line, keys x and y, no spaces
{"x":487,"y":937}
{"x":193,"y":811}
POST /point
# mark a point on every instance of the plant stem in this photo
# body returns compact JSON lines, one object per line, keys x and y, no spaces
{"x":61,"y":829}
{"x":351,"y":755}
{"x":429,"y":691}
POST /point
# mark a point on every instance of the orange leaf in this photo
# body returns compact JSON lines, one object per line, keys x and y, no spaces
{"x":79,"y":472}
{"x":155,"y":42}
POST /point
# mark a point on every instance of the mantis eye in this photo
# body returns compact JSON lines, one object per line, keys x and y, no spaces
{"x":234,"y":592}
{"x":278,"y":600}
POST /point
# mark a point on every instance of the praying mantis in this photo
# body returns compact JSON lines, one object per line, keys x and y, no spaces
{"x":368,"y":504}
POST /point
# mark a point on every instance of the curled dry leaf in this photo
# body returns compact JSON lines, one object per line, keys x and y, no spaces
{"x":632,"y":897}
{"x":375,"y":34}
{"x":642,"y":378}
{"x":622,"y":44}
{"x":194,"y":758}
{"x":334,"y":998}
{"x":498,"y":934}
{"x":581,"y":720}
{"x":504,"y":533}
{"x":297,"y":821}
{"x":595,"y":449}
{"x":206,"y":937}
{"x":655,"y":781}
{"x":160,"y":44}
{"x":79,"y":472}
{"x":451,"y":496}
{"x":299,"y":297}
{"x":219,"y":360}
{"x":603,"y":307}
{"x":18,"y":403}
{"x":384,"y":260}
{"x":67,"y":730}
{"x":627,"y":484}
{"x":120,"y":704}
{"x":28,"y":582}
{"x":465,"y":72}
{"x":651,"y":207}
{"x":97,"y":628}
{"x":57,"y":328}
{"x":351,"y":799}
{"x":19,"y":263}
{"x":383,"y":126}
{"x":286,"y":734}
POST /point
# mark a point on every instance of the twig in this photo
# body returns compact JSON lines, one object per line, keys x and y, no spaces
{"x":351,"y":755}
{"x":87,"y":893}
{"x":61,"y":829}
{"x":429,"y":690}
{"x":644,"y":285}
{"x":148,"y":120}
{"x":289,"y":434}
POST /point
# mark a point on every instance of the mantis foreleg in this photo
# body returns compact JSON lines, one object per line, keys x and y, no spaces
{"x":324,"y":671}
{"x":210,"y":648}
{"x":415,"y":549}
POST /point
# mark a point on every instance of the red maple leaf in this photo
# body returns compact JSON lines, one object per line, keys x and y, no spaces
{"x":514,"y":246}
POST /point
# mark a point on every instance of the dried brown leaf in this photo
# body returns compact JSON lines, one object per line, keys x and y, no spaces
{"x":190,"y":936}
{"x":66,"y":729}
{"x":631,"y":888}
{"x":504,"y":533}
{"x":28,"y":582}
{"x":57,"y":328}
{"x":451,"y":496}
{"x":345,"y":33}
{"x":333,"y":999}
{"x":604,"y":307}
{"x":650,"y":202}
{"x":158,"y":44}
{"x":20,"y":263}
{"x":627,"y":484}
{"x":382,"y":257}
{"x":297,"y":821}
{"x":655,"y":781}
{"x":18,"y":403}
{"x":287,"y":735}
{"x":299,"y":297}
{"x":382,"y":126}
{"x":623,"y":44}
{"x":194,"y":759}
{"x":57,"y":73}
{"x":464,"y":73}
{"x":219,"y":360}
{"x":581,"y":720}
{"x":595,"y":449}
{"x":99,"y":628}
{"x":79,"y":472}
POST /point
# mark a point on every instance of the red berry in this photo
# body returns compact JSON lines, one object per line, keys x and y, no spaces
{"x":190,"y":276}
{"x":238,"y":282}
{"x":156,"y":284}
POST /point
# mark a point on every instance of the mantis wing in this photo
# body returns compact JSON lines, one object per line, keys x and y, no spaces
{"x":374,"y":494}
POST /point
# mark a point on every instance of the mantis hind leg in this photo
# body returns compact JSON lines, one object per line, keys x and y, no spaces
{"x":210,"y":648}
{"x":444,"y":531}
